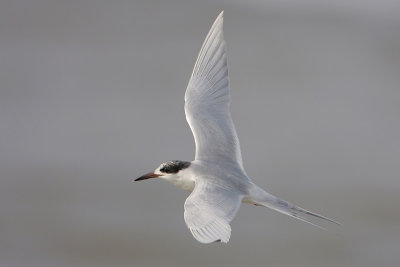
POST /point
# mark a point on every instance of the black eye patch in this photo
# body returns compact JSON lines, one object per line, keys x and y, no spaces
{"x":174,"y":166}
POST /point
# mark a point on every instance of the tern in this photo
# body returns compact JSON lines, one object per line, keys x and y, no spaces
{"x":216,"y":177}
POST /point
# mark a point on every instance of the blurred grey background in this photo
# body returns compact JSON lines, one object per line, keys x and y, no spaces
{"x":92,"y":96}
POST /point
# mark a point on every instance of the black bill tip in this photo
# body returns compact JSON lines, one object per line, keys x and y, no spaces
{"x":147,"y":176}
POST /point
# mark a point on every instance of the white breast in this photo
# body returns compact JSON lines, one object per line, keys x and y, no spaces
{"x":185,"y":184}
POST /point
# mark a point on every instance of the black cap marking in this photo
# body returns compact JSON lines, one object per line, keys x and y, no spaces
{"x":174,"y":166}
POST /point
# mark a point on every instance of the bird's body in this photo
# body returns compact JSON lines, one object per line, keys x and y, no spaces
{"x":216,"y":178}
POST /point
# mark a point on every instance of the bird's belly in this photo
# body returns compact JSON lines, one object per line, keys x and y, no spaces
{"x":187,"y":185}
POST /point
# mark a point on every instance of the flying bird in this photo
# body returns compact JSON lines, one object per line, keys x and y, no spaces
{"x":216,"y":177}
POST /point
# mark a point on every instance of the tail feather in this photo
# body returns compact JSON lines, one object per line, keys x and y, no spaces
{"x":289,"y":209}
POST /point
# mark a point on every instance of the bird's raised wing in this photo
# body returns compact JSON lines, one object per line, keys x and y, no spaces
{"x":207,"y":101}
{"x":208,"y":211}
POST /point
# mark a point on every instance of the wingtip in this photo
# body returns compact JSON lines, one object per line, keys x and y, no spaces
{"x":220,"y":16}
{"x":218,"y":22}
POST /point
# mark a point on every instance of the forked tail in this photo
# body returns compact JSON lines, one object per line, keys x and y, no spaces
{"x":260,"y":197}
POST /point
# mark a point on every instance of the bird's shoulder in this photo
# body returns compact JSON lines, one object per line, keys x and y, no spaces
{"x":219,"y":175}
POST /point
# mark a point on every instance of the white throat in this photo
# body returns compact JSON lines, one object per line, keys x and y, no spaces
{"x":181,"y":180}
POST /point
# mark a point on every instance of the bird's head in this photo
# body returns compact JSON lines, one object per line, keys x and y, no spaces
{"x":167,"y":170}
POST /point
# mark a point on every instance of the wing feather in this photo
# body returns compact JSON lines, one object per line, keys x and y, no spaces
{"x":208,"y":211}
{"x":207,"y":101}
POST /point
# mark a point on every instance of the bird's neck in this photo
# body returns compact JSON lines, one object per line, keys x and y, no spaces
{"x":183,"y":181}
